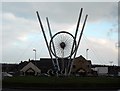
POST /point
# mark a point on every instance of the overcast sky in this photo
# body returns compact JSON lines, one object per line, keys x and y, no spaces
{"x":21,"y":32}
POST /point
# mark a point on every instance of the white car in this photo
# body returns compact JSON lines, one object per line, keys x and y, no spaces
{"x":5,"y":74}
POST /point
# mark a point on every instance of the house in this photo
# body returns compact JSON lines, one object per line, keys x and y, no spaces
{"x":30,"y":69}
{"x":35,"y":67}
{"x":44,"y":65}
{"x":81,"y":66}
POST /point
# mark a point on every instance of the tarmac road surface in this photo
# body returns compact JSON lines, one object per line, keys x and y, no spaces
{"x":7,"y":89}
{"x":23,"y":90}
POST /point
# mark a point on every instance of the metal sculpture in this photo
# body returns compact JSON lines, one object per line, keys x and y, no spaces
{"x":63,"y":45}
{"x":54,"y":62}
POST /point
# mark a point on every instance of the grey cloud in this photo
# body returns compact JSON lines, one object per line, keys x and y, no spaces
{"x":65,"y":11}
{"x":58,"y":13}
{"x":68,"y":12}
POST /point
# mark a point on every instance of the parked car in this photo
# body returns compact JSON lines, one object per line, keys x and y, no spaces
{"x":5,"y":74}
{"x":45,"y":75}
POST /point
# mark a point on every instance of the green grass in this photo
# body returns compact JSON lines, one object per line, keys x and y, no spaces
{"x":27,"y":81}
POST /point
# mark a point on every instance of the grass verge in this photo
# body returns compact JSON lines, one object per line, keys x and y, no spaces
{"x":62,"y":82}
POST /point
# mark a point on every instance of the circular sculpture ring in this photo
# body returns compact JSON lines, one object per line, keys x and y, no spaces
{"x":61,"y":44}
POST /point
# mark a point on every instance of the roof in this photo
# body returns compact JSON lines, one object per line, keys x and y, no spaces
{"x":30,"y":65}
{"x":42,"y":64}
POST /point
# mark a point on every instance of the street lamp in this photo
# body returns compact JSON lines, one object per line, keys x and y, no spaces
{"x":35,"y":52}
{"x":87,"y":53}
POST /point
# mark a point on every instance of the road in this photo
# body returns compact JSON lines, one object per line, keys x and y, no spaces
{"x":23,"y":90}
{"x":6,"y":89}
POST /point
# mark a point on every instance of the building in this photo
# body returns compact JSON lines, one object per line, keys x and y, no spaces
{"x":106,"y":70}
{"x":30,"y":69}
{"x":36,"y":67}
{"x":10,"y":68}
{"x":81,"y":66}
{"x":44,"y":65}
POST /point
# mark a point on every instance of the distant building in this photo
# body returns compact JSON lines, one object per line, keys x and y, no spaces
{"x":10,"y":68}
{"x":102,"y":71}
{"x":107,"y":70}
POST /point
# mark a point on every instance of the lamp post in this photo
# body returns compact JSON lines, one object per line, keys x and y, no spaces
{"x":87,"y":53}
{"x":35,"y":52}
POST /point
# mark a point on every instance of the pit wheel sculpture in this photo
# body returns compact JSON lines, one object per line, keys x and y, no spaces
{"x":63,"y":42}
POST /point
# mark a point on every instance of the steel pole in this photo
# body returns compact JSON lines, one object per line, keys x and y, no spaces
{"x":78,"y":42}
{"x":45,"y":37}
{"x":52,"y":43}
{"x":78,"y":23}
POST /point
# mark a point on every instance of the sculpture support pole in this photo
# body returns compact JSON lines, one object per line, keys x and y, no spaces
{"x":69,"y":63}
{"x":45,"y":37}
{"x":52,"y":43}
{"x":78,"y":43}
